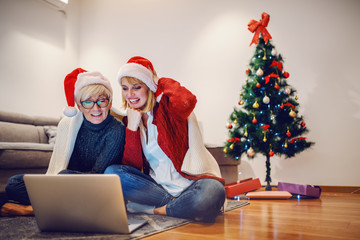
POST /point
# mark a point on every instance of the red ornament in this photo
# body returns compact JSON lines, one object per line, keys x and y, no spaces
{"x":258,"y":85}
{"x":286,"y":75}
{"x":303,"y":124}
{"x":254,"y":120}
{"x":276,"y":86}
{"x":271,"y":153}
{"x":247,"y":71}
{"x":288,"y":134}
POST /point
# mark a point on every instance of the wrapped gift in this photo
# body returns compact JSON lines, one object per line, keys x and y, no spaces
{"x":243,"y":186}
{"x":303,"y":190}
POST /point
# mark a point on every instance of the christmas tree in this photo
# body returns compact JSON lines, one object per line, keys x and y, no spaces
{"x":268,"y":121}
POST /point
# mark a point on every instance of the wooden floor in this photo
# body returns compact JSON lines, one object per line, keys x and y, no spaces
{"x":333,"y":216}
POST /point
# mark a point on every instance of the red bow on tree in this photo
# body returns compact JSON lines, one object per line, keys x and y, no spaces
{"x":278,"y":64}
{"x":260,"y":27}
{"x":267,"y":78}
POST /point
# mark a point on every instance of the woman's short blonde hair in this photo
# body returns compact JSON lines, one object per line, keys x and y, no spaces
{"x":91,"y":90}
{"x":150,"y":103}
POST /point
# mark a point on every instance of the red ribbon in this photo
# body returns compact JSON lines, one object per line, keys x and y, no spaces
{"x":266,"y":127}
{"x":295,"y":139}
{"x":287,"y":104}
{"x":277,"y":64}
{"x":260,"y":27}
{"x":267,"y":78}
{"x":234,"y":140}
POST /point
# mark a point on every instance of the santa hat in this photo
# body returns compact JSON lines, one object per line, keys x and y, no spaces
{"x":140,"y":68}
{"x":75,"y":81}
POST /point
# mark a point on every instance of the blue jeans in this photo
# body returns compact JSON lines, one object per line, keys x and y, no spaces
{"x":16,"y":189}
{"x":201,"y":200}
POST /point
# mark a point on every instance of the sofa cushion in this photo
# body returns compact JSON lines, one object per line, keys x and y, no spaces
{"x":15,"y":132}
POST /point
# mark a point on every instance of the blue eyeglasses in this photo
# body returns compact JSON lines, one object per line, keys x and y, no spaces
{"x":102,"y":103}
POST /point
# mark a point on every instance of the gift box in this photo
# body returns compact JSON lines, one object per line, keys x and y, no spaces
{"x":303,"y":190}
{"x":243,"y":186}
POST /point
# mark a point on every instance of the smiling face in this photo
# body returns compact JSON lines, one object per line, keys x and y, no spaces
{"x":135,"y":93}
{"x":94,"y":93}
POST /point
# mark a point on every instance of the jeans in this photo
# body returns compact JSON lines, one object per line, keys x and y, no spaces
{"x":201,"y":200}
{"x":16,"y":189}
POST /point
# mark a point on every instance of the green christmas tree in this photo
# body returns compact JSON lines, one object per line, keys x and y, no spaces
{"x":268,"y":121}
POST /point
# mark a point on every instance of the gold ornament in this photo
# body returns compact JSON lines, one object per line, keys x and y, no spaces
{"x":235,"y":121}
{"x":232,"y":146}
{"x":264,"y":58}
{"x":246,"y":133}
{"x":264,"y":139}
{"x":225,"y":150}
{"x":292,"y":113}
{"x":255,"y":105}
{"x":297,"y":98}
{"x":286,"y":144}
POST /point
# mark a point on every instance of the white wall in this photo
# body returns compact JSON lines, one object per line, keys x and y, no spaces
{"x":38,"y":46}
{"x":204,"y":44}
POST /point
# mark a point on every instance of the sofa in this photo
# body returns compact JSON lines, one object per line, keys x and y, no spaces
{"x":26,"y":144}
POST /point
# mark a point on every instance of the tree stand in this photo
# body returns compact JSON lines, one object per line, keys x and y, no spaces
{"x":268,"y":170}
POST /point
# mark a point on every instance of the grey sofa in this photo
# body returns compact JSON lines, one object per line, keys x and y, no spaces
{"x":26,"y":144}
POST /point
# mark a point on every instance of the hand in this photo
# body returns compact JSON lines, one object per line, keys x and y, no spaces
{"x":134,"y":117}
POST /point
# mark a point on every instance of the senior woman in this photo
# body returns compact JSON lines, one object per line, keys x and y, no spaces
{"x":87,"y":141}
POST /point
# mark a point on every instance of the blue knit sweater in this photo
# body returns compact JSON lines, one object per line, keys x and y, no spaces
{"x":98,"y":146}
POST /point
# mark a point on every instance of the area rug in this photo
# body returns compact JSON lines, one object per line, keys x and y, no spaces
{"x":12,"y":228}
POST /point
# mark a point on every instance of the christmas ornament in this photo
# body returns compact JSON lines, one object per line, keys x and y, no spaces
{"x":225,"y":150}
{"x":254,"y":121}
{"x":273,"y":52}
{"x":271,"y":153}
{"x":232,"y":146}
{"x":266,"y":99}
{"x":229,"y":125}
{"x":264,"y":58}
{"x":240,"y":102}
{"x":260,"y":27}
{"x":296,"y":98}
{"x":258,"y":85}
{"x":264,"y":139}
{"x":303,"y":124}
{"x":288,"y":133}
{"x":276,"y":86}
{"x":286,"y":75}
{"x":287,"y":90}
{"x":259,"y":72}
{"x":245,"y":133}
{"x":255,"y":105}
{"x":250,"y":152}
{"x":292,"y":113}
{"x":235,"y":121}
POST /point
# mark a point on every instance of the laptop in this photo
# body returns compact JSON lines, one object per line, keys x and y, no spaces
{"x":79,"y":203}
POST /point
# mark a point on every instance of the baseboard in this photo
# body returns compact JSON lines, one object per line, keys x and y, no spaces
{"x":335,"y":189}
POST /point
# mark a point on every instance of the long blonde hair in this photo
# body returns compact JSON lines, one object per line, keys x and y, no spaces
{"x":150,"y":103}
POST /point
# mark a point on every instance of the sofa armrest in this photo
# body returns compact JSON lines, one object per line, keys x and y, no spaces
{"x":26,"y":146}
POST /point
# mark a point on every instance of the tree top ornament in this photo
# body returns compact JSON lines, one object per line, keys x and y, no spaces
{"x":260,"y":27}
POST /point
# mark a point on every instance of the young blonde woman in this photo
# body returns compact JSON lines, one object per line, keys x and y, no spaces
{"x":166,"y":168}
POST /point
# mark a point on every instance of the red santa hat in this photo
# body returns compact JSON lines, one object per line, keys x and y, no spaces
{"x":140,"y":68}
{"x":75,"y":81}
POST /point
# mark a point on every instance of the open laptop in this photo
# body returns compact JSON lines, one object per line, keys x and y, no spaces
{"x":79,"y":203}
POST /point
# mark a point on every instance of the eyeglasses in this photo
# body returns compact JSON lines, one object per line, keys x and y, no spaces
{"x":102,"y":103}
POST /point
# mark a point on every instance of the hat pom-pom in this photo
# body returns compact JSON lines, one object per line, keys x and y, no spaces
{"x":70,"y":111}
